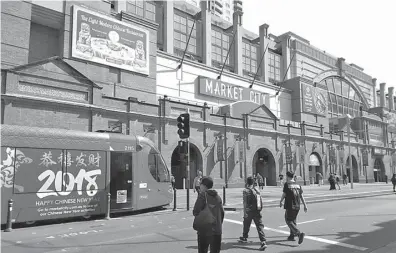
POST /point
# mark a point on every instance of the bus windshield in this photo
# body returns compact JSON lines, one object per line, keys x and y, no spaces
{"x":156,"y":163}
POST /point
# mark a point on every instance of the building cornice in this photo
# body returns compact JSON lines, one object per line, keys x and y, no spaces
{"x":228,"y":74}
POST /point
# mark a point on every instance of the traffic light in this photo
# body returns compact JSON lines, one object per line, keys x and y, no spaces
{"x":183,"y":125}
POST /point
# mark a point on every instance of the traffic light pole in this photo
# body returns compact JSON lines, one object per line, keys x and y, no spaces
{"x":188,"y":169}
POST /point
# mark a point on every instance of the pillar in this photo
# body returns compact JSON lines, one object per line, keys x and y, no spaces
{"x":237,"y":28}
{"x":286,"y":40}
{"x":263,"y":44}
{"x":374,"y":81}
{"x":391,"y":90}
{"x":382,"y":94}
{"x":168,"y":26}
{"x":206,"y":33}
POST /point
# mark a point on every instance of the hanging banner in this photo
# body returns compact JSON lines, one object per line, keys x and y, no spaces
{"x":365,"y":158}
{"x":220,"y":150}
{"x":341,"y":155}
{"x":289,"y":155}
{"x":332,"y":156}
{"x":302,"y":154}
{"x":314,"y":99}
{"x":394,"y":158}
{"x":241,"y":151}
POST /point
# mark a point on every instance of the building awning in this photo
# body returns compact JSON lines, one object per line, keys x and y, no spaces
{"x":314,"y":160}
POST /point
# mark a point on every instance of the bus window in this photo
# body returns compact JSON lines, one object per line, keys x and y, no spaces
{"x":157,"y":166}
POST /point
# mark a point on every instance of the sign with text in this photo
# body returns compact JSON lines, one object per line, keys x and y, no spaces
{"x":241,"y":151}
{"x":314,"y":99}
{"x":220,"y":150}
{"x":365,"y":158}
{"x":222,"y":90}
{"x":55,"y":183}
{"x":105,"y":40}
{"x":289,"y":155}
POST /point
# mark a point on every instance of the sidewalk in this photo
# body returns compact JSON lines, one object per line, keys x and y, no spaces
{"x":312,"y":193}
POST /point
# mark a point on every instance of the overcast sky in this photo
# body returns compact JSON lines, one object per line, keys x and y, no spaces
{"x":361,"y":31}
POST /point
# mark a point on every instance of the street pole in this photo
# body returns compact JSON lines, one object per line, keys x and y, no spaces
{"x":349,"y":147}
{"x":188,"y":169}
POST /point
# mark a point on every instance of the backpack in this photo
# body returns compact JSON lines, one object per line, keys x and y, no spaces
{"x":259,"y":200}
{"x":205,"y":219}
{"x":295,"y":189}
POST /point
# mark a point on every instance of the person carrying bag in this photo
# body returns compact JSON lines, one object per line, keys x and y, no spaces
{"x":209,"y":216}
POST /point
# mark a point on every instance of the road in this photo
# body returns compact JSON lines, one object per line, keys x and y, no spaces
{"x":345,"y":226}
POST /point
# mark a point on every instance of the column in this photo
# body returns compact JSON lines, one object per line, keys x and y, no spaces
{"x":285,"y":57}
{"x":374,"y":81}
{"x":237,"y":28}
{"x":263,"y":44}
{"x":341,"y":67}
{"x":391,"y":90}
{"x":168,"y":26}
{"x":206,"y":33}
{"x":382,"y":94}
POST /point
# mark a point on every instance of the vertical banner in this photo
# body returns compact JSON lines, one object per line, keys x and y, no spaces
{"x":341,"y":155}
{"x":220,"y":150}
{"x":365,"y":157}
{"x":241,"y":151}
{"x":302,"y":154}
{"x":289,"y":155}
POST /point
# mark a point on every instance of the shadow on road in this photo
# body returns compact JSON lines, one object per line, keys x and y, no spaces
{"x":379,"y":238}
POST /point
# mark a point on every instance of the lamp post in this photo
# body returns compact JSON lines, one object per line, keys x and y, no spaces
{"x":349,"y":152}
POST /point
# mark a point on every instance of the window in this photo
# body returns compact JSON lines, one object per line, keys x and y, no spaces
{"x":145,"y":9}
{"x":220,"y":46}
{"x":274,"y":66}
{"x":249,"y":57}
{"x":182,"y":26}
{"x":343,"y":98}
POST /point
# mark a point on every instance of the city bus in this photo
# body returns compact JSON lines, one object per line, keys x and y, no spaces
{"x":57,"y":173}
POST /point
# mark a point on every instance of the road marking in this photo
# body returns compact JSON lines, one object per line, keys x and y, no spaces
{"x":303,"y":222}
{"x":313,"y":238}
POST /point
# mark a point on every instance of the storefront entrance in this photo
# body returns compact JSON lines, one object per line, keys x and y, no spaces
{"x":264,"y":164}
{"x":355,"y":170}
{"x":379,"y":170}
{"x":178,"y":166}
{"x":315,"y":168}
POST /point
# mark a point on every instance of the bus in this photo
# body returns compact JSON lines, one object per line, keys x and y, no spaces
{"x":58,"y":173}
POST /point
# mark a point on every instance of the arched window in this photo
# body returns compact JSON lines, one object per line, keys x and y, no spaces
{"x":343,"y":98}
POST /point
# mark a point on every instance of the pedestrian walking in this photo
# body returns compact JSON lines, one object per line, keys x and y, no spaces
{"x":208,"y":207}
{"x":386,"y":179}
{"x":337,"y":182}
{"x":292,"y":194}
{"x":197,"y":182}
{"x":260,"y":181}
{"x":393,"y":179}
{"x":332,"y":182}
{"x":320,"y":178}
{"x":281,"y":180}
{"x":252,"y":206}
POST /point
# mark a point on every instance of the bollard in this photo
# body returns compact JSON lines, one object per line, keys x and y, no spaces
{"x":9,"y":216}
{"x":188,"y":198}
{"x":174,"y":199}
{"x":224,"y":195}
{"x":265,"y":181}
{"x":108,"y":206}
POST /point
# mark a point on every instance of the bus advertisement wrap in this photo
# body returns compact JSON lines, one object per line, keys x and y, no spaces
{"x":64,"y":183}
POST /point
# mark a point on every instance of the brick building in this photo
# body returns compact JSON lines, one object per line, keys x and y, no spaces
{"x":114,"y":65}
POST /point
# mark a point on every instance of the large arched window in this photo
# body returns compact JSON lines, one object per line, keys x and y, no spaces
{"x":343,"y":98}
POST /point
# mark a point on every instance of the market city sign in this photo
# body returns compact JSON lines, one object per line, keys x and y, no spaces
{"x":222,"y":90}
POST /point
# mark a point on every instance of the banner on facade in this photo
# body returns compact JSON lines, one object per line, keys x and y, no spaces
{"x":332,"y":156}
{"x":341,"y":155}
{"x":241,"y":151}
{"x":314,"y":99}
{"x":289,"y":155}
{"x":220,"y":150}
{"x":105,"y":40}
{"x":365,"y":158}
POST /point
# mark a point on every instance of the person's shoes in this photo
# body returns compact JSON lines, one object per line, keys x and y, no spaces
{"x":242,"y":239}
{"x":301,"y":238}
{"x":291,"y":238}
{"x":263,"y":246}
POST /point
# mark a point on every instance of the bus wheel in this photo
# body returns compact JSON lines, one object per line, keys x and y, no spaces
{"x":30,"y":223}
{"x":87,"y":217}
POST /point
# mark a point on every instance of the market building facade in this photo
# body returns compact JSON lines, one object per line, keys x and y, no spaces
{"x":267,"y":105}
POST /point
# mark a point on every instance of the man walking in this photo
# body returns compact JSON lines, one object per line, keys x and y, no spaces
{"x":197,"y":182}
{"x":292,"y":193}
{"x":394,"y":182}
{"x":344,"y":179}
{"x":209,"y":235}
{"x":252,"y":212}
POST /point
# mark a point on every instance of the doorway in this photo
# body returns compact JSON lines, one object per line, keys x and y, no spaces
{"x":121,"y":180}
{"x":315,"y":168}
{"x":264,"y":164}
{"x":355,"y":170}
{"x":379,"y":170}
{"x":179,"y":166}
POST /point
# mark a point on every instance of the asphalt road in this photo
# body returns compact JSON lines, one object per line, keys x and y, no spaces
{"x":354,"y":225}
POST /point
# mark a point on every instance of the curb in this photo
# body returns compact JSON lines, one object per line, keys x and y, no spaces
{"x":321,"y":200}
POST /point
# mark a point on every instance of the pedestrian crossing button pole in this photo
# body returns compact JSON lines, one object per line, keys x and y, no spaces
{"x":224,"y":195}
{"x":174,"y":199}
{"x":108,"y":206}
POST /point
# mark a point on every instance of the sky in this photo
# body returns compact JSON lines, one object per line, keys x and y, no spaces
{"x":361,"y":31}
